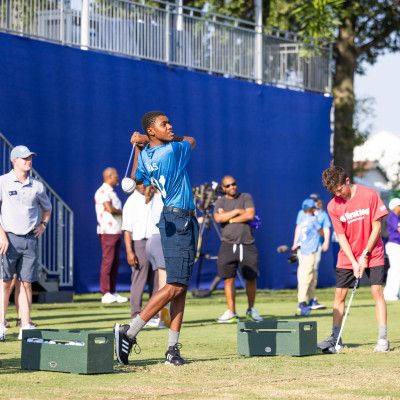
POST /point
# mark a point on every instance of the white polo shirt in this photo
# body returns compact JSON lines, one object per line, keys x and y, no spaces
{"x":156,"y":208}
{"x":21,"y":203}
{"x":136,"y":217}
{"x":107,"y":223}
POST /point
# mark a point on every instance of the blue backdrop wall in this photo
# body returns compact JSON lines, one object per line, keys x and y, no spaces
{"x":77,"y":110}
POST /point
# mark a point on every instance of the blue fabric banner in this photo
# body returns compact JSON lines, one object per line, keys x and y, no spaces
{"x":77,"y":110}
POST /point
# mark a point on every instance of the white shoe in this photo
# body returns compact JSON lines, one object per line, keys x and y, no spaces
{"x":108,"y":298}
{"x":120,"y":299}
{"x":3,"y":331}
{"x":26,"y":327}
{"x":391,"y":298}
{"x":227,"y":318}
{"x":382,"y":346}
{"x":162,"y":325}
{"x":253,"y":315}
{"x":153,"y":322}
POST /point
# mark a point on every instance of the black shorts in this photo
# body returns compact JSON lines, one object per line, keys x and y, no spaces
{"x":346,"y":279}
{"x":229,"y":260}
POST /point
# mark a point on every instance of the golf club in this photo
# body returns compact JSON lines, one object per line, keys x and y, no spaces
{"x":128,"y":184}
{"x":2,"y":326}
{"x":337,"y":347}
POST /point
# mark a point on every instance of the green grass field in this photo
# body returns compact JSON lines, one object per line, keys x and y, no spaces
{"x":214,"y":370}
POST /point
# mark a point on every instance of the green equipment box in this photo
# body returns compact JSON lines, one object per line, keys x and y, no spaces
{"x":78,"y":352}
{"x":275,"y":338}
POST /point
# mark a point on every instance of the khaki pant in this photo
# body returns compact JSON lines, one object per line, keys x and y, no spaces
{"x":305,"y":277}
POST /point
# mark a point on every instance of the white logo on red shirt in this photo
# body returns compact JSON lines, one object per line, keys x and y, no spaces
{"x":355,"y":215}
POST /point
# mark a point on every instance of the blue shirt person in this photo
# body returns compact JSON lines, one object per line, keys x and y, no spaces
{"x":161,"y":161}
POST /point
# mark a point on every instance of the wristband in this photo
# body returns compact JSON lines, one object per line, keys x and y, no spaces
{"x":45,"y":224}
{"x":231,"y":220}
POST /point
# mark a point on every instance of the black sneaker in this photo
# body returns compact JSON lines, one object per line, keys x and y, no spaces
{"x":173,"y":355}
{"x":123,"y":345}
{"x":328,"y":345}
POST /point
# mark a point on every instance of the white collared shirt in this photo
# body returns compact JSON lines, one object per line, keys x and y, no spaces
{"x":107,"y":223}
{"x":136,"y":217}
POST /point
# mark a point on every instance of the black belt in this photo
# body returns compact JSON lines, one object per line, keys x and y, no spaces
{"x":31,"y":233}
{"x":192,"y":213}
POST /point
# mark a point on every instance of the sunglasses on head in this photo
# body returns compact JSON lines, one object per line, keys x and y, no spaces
{"x":231,"y":184}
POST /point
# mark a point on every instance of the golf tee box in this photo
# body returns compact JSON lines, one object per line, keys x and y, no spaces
{"x":78,"y":352}
{"x":277,"y":338}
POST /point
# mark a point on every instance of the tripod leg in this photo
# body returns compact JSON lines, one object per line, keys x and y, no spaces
{"x":214,"y":283}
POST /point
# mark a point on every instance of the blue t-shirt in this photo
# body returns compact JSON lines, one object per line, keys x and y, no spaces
{"x":309,"y":237}
{"x":165,"y":168}
{"x":323,"y":219}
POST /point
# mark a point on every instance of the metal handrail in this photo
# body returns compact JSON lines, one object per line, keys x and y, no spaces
{"x":181,"y":36}
{"x":56,"y":245}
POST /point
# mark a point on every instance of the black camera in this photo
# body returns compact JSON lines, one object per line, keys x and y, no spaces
{"x":206,"y":195}
{"x":293,"y":258}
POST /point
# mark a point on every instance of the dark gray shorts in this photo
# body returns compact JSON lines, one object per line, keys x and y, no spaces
{"x":154,"y":252}
{"x":21,"y":258}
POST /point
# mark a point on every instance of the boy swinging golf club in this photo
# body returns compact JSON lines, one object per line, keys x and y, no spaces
{"x":356,"y":213}
{"x":161,"y":161}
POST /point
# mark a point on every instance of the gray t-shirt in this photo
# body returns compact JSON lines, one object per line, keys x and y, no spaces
{"x":237,"y":233}
{"x":21,"y":203}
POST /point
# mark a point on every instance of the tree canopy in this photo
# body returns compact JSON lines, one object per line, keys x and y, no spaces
{"x":361,"y":31}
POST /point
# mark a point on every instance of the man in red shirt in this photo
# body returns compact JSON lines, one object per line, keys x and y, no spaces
{"x":356,"y":213}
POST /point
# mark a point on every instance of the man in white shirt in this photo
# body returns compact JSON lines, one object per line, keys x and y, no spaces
{"x":109,"y":221}
{"x":138,"y":227}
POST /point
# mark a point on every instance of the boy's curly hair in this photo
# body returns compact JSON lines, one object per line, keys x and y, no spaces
{"x":333,"y":177}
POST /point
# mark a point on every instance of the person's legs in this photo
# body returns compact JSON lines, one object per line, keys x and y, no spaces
{"x":169,"y":292}
{"x":227,"y":263}
{"x":339,"y":304}
{"x":230,"y":294}
{"x":313,"y":286}
{"x":7,"y":291}
{"x":107,"y":247}
{"x":248,"y":262}
{"x":392,"y":288}
{"x":139,"y":277}
{"x":115,"y":262}
{"x":251,"y":288}
{"x":24,"y":290}
{"x":27,"y":272}
{"x":380,"y":304}
{"x":305,"y":273}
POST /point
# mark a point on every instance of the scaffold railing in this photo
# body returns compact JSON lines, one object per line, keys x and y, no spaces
{"x":168,"y":33}
{"x":56,"y":244}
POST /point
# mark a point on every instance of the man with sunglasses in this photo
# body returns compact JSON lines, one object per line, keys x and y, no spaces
{"x":233,"y":212}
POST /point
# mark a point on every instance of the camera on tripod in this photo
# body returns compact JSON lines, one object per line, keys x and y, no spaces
{"x":292,"y":258}
{"x":206,"y":195}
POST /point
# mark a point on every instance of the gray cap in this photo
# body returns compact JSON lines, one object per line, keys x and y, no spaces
{"x":21,"y":152}
{"x":315,"y":196}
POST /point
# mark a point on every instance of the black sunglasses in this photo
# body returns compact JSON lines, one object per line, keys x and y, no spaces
{"x":231,"y":184}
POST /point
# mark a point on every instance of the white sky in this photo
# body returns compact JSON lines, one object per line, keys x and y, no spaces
{"x":382,"y":82}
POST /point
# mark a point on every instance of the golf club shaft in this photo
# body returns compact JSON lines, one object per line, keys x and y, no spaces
{"x":347,"y":311}
{"x":130,"y":159}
